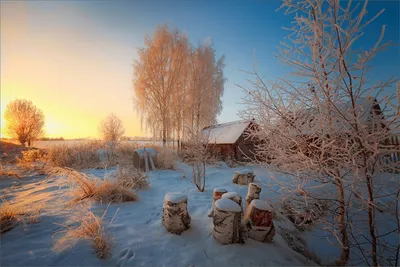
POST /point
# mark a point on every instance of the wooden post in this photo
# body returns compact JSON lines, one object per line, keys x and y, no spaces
{"x":234,"y":197}
{"x":258,"y":219}
{"x":227,"y":222}
{"x":253,"y":193}
{"x":175,"y":217}
{"x":243,"y":177}
{"x":217,"y":194}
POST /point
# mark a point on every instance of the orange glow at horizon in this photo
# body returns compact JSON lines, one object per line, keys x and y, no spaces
{"x":75,"y":78}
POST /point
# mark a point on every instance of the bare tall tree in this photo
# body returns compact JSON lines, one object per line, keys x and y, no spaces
{"x":112,"y":128}
{"x":177,"y":86}
{"x":156,"y":76}
{"x":24,"y":121}
{"x":325,"y":124}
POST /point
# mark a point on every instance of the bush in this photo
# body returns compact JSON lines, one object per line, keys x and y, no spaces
{"x":166,"y":159}
{"x":32,"y":159}
{"x":131,"y":177}
{"x":91,"y":187}
{"x":90,"y":228}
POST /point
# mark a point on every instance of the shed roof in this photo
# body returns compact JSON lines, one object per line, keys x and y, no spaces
{"x":226,"y":133}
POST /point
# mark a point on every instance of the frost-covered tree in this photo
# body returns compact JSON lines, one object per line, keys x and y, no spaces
{"x":112,"y":128}
{"x":328,"y":124}
{"x":24,"y":121}
{"x":157,"y":73}
{"x":176,"y":85}
{"x":206,"y":87}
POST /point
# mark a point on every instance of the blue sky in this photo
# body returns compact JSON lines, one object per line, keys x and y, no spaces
{"x":110,"y":32}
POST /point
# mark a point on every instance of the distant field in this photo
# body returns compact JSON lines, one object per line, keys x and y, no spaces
{"x":45,"y":144}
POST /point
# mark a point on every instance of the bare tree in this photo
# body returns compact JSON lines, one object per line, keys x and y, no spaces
{"x":172,"y":83}
{"x":112,"y":128}
{"x":156,"y":76}
{"x":206,"y":87}
{"x":325,"y":125}
{"x":24,"y":121}
{"x":197,"y":154}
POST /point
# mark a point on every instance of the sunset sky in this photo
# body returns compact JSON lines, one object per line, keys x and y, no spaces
{"x":73,"y":59}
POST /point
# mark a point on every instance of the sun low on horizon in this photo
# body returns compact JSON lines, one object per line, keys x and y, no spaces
{"x":74,"y":77}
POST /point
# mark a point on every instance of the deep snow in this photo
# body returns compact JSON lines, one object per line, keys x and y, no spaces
{"x":139,"y":237}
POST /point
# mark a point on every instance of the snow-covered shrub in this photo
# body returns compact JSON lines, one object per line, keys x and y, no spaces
{"x":130,"y":177}
{"x":166,"y":159}
{"x":32,"y":159}
{"x":303,"y":214}
{"x":91,"y":228}
{"x":91,"y":187}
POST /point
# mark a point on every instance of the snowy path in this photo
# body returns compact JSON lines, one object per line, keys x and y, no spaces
{"x":139,"y":237}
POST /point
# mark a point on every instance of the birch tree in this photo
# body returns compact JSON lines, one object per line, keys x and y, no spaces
{"x":178,"y":88}
{"x":156,"y":76}
{"x":325,"y":125}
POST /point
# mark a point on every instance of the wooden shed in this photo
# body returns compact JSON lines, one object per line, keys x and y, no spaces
{"x":231,"y":139}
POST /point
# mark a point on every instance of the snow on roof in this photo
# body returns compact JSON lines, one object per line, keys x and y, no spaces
{"x":226,"y":133}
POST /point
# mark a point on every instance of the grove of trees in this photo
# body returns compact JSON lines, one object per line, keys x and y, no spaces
{"x":24,"y":121}
{"x":177,"y":87}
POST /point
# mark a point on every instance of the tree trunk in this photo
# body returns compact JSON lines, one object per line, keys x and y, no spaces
{"x":252,"y":193}
{"x":175,"y":217}
{"x":243,"y":177}
{"x":259,"y":222}
{"x":227,"y":222}
{"x":234,"y":197}
{"x":217,"y":194}
{"x":345,"y":253}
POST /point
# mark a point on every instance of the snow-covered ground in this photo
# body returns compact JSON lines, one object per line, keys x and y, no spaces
{"x":139,"y":237}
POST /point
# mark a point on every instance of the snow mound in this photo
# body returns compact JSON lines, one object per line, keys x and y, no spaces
{"x":227,"y":205}
{"x":220,"y":190}
{"x":261,"y":205}
{"x":175,"y":197}
{"x":244,"y":171}
{"x":230,"y":195}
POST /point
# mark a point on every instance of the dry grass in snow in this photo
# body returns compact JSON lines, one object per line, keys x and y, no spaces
{"x":91,"y":187}
{"x":130,"y":177}
{"x":12,"y":215}
{"x":9,"y":216}
{"x":90,"y":227}
{"x":166,"y":159}
{"x":79,"y":156}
